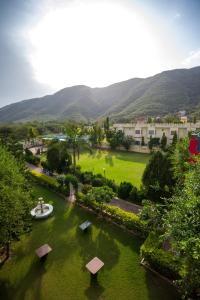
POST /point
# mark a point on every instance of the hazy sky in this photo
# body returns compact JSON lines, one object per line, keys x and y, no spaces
{"x":46,"y":45}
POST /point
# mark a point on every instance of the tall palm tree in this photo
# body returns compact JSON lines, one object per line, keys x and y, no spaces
{"x":76,"y":141}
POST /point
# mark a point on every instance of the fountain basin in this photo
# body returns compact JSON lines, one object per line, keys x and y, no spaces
{"x":37,"y":213}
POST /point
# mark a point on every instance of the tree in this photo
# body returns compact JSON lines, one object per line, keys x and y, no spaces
{"x":127,"y":142}
{"x":182,"y":225}
{"x":96,"y":135}
{"x":76,"y":141}
{"x":163,"y":142}
{"x":142,"y":143}
{"x":179,"y":158}
{"x":115,"y":138}
{"x":175,"y":139}
{"x":107,"y":124}
{"x":58,"y":158}
{"x":15,"y":200}
{"x":158,"y":177}
{"x":154,"y":142}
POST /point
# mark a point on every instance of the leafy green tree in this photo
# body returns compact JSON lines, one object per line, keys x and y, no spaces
{"x":182,"y":225}
{"x":107,"y":124}
{"x":96,"y":135}
{"x":58,"y":158}
{"x":154,"y":142}
{"x":115,"y":138}
{"x":127,"y":142}
{"x":163,"y":142}
{"x":179,"y":158}
{"x":158,"y":178}
{"x":142,"y":143}
{"x":175,"y":139}
{"x":15,"y":200}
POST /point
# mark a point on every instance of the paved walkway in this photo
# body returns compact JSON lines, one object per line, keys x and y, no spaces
{"x":125,"y":205}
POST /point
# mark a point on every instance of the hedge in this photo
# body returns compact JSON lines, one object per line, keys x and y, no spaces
{"x":164,"y":262}
{"x":129,"y":220}
{"x":45,"y":180}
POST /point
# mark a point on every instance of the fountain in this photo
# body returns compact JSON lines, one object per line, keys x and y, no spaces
{"x":42,"y":210}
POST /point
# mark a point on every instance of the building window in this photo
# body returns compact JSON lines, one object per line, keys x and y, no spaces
{"x":173,"y":132}
{"x":151,"y":132}
{"x":137,"y":131}
{"x":137,"y":142}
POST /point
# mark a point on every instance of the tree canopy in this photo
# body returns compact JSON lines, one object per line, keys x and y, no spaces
{"x":15,"y":200}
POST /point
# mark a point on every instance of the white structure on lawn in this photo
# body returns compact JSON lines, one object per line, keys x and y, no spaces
{"x":146,"y":130}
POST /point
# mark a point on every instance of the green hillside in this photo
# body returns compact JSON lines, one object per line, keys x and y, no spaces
{"x":167,"y":92}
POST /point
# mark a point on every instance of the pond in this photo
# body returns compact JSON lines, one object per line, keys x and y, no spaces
{"x":63,"y":275}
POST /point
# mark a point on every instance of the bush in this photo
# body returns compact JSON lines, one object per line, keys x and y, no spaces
{"x":86,"y":177}
{"x":133,"y":196}
{"x":112,"y":185}
{"x":98,"y":180}
{"x":45,"y":180}
{"x":71,"y":179}
{"x":30,"y":158}
{"x":124,"y":189}
{"x":86,"y":188}
{"x":128,"y":219}
{"x":100,"y":194}
{"x":162,"y":261}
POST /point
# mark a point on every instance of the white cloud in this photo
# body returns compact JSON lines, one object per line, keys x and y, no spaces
{"x":193,"y":59}
{"x":177,"y":15}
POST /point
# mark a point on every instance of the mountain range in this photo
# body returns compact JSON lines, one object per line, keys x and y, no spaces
{"x":166,"y":92}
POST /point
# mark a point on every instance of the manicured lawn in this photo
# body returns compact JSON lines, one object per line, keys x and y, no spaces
{"x":63,"y":275}
{"x":119,"y":165}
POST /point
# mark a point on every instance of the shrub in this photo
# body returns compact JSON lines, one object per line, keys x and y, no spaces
{"x":128,"y":219}
{"x":45,"y":180}
{"x":124,"y":189}
{"x":86,"y":188}
{"x":71,"y":179}
{"x":86,"y":177}
{"x":162,"y":261}
{"x":112,"y":185}
{"x":100,"y":194}
{"x":98,"y":180}
{"x":133,"y":196}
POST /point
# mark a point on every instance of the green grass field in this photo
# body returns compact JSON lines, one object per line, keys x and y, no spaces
{"x":63,"y":275}
{"x":118,"y":165}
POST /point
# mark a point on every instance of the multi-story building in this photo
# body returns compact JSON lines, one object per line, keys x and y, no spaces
{"x":146,"y":130}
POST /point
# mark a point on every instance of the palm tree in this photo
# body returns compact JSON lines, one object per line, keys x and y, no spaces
{"x":76,"y":141}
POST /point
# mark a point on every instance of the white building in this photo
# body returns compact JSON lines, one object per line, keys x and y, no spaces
{"x":146,"y":130}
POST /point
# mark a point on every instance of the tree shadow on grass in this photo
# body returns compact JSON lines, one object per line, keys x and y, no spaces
{"x":132,"y":157}
{"x":95,"y":290}
{"x":4,"y":290}
{"x":101,"y":245}
{"x":109,"y":160}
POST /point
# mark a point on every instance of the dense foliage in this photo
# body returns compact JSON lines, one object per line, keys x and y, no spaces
{"x":182,"y":222}
{"x":158,"y":178}
{"x":15,"y":200}
{"x":58,"y":158}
